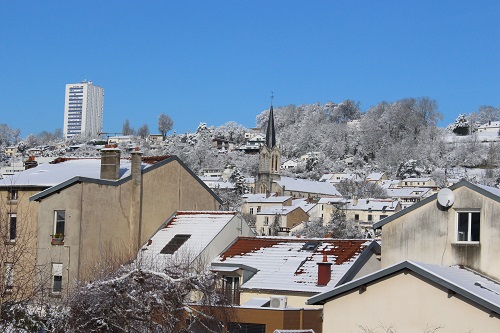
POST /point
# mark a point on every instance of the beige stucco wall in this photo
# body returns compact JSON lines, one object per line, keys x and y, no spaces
{"x":22,"y":251}
{"x":235,"y":228}
{"x":406,"y":303}
{"x":105,"y":224}
{"x":428,"y":234}
{"x":168,"y":189}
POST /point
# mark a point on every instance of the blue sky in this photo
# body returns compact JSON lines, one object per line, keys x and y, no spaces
{"x":218,"y":61}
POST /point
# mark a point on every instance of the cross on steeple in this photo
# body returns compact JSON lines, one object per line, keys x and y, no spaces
{"x":272,"y":97}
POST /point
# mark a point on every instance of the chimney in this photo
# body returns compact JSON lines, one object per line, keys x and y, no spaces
{"x":355,"y":200}
{"x":110,"y":163}
{"x":135,"y":216}
{"x":324,"y":271}
{"x":30,"y":163}
{"x":136,"y":166}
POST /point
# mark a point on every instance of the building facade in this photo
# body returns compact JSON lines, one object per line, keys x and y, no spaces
{"x":83,"y":109}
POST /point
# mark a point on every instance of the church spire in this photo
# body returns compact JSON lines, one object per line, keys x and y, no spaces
{"x":270,"y":132}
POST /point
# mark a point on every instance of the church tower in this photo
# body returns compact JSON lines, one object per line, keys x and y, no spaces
{"x":269,"y":159}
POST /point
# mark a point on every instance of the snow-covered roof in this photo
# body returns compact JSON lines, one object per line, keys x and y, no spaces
{"x":302,"y":203}
{"x":374,"y":176}
{"x":491,"y":124}
{"x":332,"y":201}
{"x":256,"y":198}
{"x":467,"y":283}
{"x":326,"y":177}
{"x":416,"y":179}
{"x":201,"y":226}
{"x":373,"y":204}
{"x":492,"y":190}
{"x":307,"y":186}
{"x":413,"y":192}
{"x":51,"y":174}
{"x":388,"y":183}
{"x":278,"y":210}
{"x":284,"y":263}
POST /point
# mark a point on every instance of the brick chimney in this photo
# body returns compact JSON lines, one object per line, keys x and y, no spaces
{"x":324,"y":271}
{"x":30,"y":163}
{"x":110,"y":163}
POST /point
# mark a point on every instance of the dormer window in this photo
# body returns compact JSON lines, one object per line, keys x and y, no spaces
{"x":468,"y":226}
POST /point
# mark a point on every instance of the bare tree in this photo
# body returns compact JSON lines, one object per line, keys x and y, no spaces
{"x":165,"y":124}
{"x":143,"y":131}
{"x":19,"y":283}
{"x":126,"y":129}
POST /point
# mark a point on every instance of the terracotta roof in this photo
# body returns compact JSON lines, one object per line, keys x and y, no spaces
{"x":291,"y":263}
{"x":244,"y":245}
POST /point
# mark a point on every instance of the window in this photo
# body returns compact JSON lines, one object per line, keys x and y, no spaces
{"x":13,"y":194}
{"x":356,"y":217}
{"x":174,"y":244}
{"x":370,"y":217}
{"x":232,"y":289}
{"x":9,"y":275}
{"x":266,"y":220}
{"x":59,"y":221}
{"x":12,"y":227}
{"x":468,"y":226}
{"x":57,"y":270}
{"x":251,"y":210}
{"x":383,"y":216}
{"x":258,"y":209}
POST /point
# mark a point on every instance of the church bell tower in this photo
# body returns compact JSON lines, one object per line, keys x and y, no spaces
{"x":269,"y":159}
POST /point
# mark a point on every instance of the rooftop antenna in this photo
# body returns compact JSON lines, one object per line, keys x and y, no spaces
{"x":272,"y":97}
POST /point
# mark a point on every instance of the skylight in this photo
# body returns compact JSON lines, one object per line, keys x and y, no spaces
{"x":174,"y":244}
{"x":310,"y":245}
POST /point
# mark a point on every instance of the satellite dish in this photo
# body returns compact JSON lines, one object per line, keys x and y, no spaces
{"x":446,"y":197}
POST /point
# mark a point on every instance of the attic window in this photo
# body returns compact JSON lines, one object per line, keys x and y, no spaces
{"x":310,"y":245}
{"x":174,"y":244}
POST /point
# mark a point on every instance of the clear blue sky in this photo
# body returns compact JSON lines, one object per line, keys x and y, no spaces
{"x":217,"y":61}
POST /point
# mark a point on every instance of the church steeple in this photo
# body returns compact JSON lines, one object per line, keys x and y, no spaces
{"x":270,"y":132}
{"x":269,"y":159}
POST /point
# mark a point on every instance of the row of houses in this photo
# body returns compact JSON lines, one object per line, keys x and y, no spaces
{"x":435,"y":263}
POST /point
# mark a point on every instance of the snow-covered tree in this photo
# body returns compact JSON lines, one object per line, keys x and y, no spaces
{"x":135,"y":300}
{"x":461,"y":125}
{"x":341,"y":227}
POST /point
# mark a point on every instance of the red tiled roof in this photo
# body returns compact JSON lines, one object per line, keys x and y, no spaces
{"x":341,"y":249}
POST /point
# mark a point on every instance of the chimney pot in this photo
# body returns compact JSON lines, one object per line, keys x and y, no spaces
{"x":324,"y":272}
{"x":110,"y":163}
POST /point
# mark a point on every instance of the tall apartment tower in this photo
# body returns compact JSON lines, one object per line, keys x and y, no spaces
{"x":83,"y":109}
